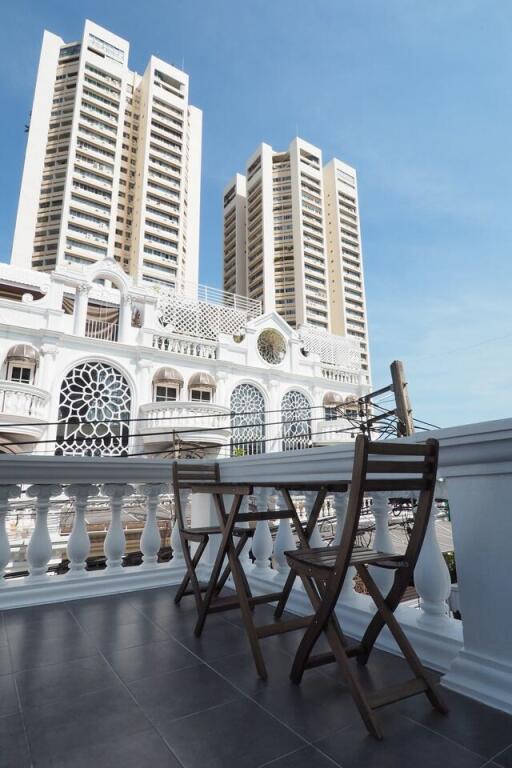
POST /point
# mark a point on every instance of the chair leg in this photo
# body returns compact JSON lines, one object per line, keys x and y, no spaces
{"x":223,"y":550}
{"x":245,"y":608}
{"x":186,"y":579}
{"x":330,"y":625}
{"x":191,"y":563}
{"x":303,"y":541}
{"x":388,"y":617}
{"x":377,"y":623}
{"x":290,"y":580}
{"x":355,"y":688}
{"x":312,"y":633}
{"x":227,"y":570}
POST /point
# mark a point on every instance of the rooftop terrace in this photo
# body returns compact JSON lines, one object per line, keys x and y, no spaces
{"x":122,"y":681}
{"x":100,"y":666}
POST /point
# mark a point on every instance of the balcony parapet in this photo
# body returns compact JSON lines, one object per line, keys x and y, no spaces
{"x":331,"y":431}
{"x":21,"y":403}
{"x":339,"y":375}
{"x":190,"y":420}
{"x":183,"y":345}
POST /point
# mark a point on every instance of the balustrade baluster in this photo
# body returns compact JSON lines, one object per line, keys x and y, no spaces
{"x":115,"y":539}
{"x":340,"y":510}
{"x":431,"y":575}
{"x":262,"y":543}
{"x":40,"y":548}
{"x":6,"y":492}
{"x":176,"y":546}
{"x":79,"y":544}
{"x":382,"y":541}
{"x":150,"y":541}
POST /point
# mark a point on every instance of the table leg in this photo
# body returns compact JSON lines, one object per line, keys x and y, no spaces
{"x":226,"y":527}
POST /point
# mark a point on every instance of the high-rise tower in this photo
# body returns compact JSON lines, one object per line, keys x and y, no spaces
{"x":292,"y":240}
{"x":112,"y":165}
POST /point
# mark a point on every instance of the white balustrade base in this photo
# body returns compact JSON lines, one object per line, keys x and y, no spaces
{"x":437,"y":641}
{"x":482,"y":678}
{"x":56,"y":588}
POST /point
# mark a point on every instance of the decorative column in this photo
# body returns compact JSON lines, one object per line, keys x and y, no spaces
{"x":45,"y":373}
{"x":6,"y":492}
{"x":40,"y":548}
{"x":431,"y":575}
{"x":78,"y":543}
{"x":115,"y":538}
{"x":125,"y":318}
{"x":80,"y":309}
{"x":220,"y":394}
{"x":273,"y":432}
{"x":382,"y":541}
{"x":150,"y":540}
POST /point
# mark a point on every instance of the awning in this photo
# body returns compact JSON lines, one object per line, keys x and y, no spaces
{"x":23,"y":353}
{"x":203,"y":380}
{"x":169,"y":376}
{"x":331,"y":399}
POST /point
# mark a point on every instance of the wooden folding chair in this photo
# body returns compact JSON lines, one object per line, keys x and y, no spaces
{"x":185,"y":474}
{"x":323,"y":571}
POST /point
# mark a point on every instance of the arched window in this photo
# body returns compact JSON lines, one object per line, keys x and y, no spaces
{"x":247,"y":420}
{"x":296,"y":421}
{"x":94,"y":409}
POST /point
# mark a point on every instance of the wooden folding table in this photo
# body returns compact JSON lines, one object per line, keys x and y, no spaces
{"x":244,"y":599}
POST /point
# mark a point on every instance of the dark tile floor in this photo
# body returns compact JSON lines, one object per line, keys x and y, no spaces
{"x":123,"y":682}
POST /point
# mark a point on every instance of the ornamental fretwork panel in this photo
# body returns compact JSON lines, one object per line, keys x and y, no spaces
{"x":94,"y":409}
{"x":340,"y":351}
{"x":296,"y":421}
{"x":247,"y":420}
{"x":206,"y":313}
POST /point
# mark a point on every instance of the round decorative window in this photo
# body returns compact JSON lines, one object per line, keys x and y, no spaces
{"x":272,"y":346}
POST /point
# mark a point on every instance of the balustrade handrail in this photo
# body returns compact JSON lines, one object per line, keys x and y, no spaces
{"x":29,"y":389}
{"x":191,"y":407}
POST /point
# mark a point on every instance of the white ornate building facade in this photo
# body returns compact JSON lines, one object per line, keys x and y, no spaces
{"x":95,"y":363}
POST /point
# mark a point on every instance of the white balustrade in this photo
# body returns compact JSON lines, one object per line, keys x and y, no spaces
{"x":185,"y":415}
{"x":150,"y":541}
{"x":79,"y":544}
{"x":170,"y":343}
{"x":17,"y":399}
{"x":39,"y":551}
{"x":474,"y":459}
{"x":115,"y":542}
{"x":7,"y":492}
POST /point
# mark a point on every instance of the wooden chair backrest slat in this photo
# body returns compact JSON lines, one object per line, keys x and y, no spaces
{"x":182,"y":474}
{"x":424,"y":483}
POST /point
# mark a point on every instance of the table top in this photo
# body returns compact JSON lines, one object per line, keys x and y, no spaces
{"x":247,"y":489}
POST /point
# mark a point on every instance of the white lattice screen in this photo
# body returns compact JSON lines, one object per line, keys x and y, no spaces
{"x":194,"y":316}
{"x":341,"y":351}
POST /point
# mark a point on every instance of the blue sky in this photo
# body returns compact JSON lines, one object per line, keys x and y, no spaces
{"x":416,"y":95}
